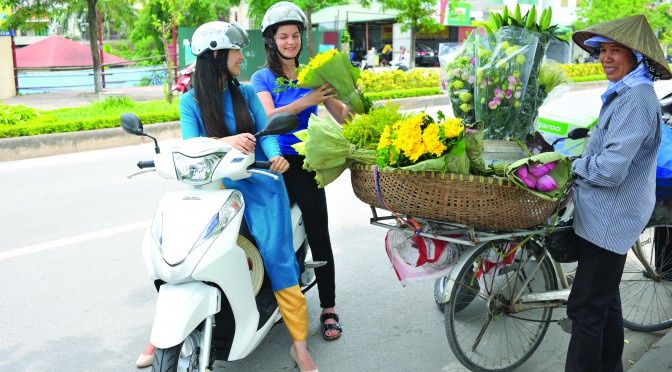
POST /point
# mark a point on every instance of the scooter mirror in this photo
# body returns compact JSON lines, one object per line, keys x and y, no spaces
{"x":279,"y":123}
{"x":578,"y":133}
{"x":131,"y":124}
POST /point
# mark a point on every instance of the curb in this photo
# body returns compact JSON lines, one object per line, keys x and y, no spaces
{"x":657,"y":358}
{"x":20,"y":148}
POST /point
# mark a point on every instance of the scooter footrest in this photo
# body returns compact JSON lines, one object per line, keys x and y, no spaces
{"x":314,"y":264}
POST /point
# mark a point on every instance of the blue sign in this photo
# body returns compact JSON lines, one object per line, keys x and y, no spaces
{"x":7,"y":33}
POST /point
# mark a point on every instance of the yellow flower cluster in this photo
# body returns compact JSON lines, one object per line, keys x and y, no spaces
{"x":314,"y":63}
{"x":407,"y":139}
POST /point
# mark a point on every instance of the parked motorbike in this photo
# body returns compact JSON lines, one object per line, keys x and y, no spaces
{"x":184,"y":84}
{"x":214,"y":300}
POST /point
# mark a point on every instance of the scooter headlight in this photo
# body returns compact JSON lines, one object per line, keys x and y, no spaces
{"x":196,"y":171}
{"x":221,"y":219}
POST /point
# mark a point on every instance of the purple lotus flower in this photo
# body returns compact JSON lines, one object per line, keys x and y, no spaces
{"x":539,"y":170}
{"x":527,"y":178}
{"x":546,"y":183}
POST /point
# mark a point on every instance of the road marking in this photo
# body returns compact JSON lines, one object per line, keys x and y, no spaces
{"x":73,"y":240}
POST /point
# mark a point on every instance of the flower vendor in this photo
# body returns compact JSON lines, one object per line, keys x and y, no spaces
{"x":282,"y":29}
{"x":615,"y":185}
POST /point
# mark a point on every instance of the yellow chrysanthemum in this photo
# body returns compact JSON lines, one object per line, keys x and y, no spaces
{"x":452,"y":127}
{"x":384,"y":138}
{"x":314,"y":63}
{"x":431,"y":139}
{"x":409,"y":137}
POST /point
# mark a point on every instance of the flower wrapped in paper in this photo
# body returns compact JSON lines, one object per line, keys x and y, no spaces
{"x":501,"y":82}
{"x":418,"y":143}
{"x":334,"y":67}
{"x":327,"y":152}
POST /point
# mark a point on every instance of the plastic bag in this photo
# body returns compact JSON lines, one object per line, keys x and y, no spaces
{"x":418,"y":258}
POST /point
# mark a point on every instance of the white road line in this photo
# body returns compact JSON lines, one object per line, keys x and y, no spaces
{"x":73,"y":240}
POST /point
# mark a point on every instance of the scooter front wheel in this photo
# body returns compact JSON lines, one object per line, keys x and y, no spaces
{"x":166,"y":360}
{"x":171,"y":360}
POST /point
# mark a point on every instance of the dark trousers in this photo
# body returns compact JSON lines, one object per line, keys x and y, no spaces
{"x":303,"y":190}
{"x":594,"y":307}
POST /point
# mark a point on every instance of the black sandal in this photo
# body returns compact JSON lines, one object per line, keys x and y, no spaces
{"x":330,"y":327}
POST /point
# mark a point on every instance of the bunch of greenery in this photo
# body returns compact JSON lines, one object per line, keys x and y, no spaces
{"x":364,"y":130}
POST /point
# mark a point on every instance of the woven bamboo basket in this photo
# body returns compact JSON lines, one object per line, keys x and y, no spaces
{"x":481,"y":202}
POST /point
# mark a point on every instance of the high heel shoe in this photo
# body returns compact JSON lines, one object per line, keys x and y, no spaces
{"x":292,"y":353}
{"x":144,"y":360}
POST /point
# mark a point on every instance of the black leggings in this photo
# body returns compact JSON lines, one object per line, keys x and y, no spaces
{"x":303,"y":190}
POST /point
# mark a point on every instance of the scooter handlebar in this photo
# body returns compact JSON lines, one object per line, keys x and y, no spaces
{"x":142,"y":164}
{"x":260,"y":165}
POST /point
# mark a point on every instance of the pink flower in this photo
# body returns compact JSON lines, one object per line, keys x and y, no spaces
{"x":471,"y":80}
{"x":499,"y":93}
{"x":528,"y":179}
{"x":509,"y":93}
{"x":539,"y":170}
{"x":518,"y":93}
{"x":546,"y":183}
{"x":512,"y":80}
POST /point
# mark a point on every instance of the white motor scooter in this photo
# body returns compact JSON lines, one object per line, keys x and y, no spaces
{"x":214,"y":302}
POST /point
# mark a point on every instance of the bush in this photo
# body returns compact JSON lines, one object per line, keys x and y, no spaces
{"x":98,"y":115}
{"x":12,"y":115}
{"x":373,"y":82}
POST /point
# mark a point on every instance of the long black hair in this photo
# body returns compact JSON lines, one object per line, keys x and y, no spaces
{"x":209,"y":83}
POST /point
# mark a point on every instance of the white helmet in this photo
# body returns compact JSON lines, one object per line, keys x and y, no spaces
{"x":282,"y":13}
{"x":218,"y":35}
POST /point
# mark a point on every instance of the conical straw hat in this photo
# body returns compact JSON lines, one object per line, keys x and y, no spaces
{"x":633,"y":32}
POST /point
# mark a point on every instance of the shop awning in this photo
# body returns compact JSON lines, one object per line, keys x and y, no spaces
{"x":354,"y":13}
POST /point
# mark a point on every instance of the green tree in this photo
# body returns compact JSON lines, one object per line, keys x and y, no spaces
{"x":258,"y":8}
{"x":592,"y":12}
{"x":416,"y":15}
{"x":27,"y":10}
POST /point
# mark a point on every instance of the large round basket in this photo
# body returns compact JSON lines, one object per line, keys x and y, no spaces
{"x":481,"y":202}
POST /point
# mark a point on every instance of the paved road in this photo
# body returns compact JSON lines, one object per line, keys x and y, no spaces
{"x":76,"y":296}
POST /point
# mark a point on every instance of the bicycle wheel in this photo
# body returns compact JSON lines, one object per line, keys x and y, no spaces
{"x":647,"y":300}
{"x":487,"y":334}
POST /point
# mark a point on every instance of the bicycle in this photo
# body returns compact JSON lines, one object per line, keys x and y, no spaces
{"x":499,"y":297}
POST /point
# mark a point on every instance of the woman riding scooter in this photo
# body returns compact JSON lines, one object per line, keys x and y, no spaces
{"x":220,"y":107}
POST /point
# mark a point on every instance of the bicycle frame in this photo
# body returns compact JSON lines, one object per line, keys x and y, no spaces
{"x":476,"y":238}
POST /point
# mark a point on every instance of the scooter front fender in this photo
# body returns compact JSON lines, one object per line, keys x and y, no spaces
{"x":180,"y":308}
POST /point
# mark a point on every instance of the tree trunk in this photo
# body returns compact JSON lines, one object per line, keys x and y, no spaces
{"x":166,"y":29}
{"x":93,"y":42}
{"x":411,"y":50}
{"x":309,"y":32}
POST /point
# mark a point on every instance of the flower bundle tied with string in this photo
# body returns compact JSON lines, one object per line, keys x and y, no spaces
{"x":334,"y":67}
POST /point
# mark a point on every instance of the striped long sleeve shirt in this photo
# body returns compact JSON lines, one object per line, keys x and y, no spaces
{"x":614,"y":193}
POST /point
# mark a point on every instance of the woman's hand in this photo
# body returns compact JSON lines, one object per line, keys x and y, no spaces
{"x":279,"y":164}
{"x":244,"y":142}
{"x":320,"y":95}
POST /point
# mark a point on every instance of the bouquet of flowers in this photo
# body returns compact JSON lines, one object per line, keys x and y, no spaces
{"x":327,"y":152}
{"x":501,"y":82}
{"x":334,"y":67}
{"x":418,"y":143}
{"x":458,"y":76}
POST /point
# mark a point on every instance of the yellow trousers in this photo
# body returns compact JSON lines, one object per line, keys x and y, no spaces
{"x":294,"y":312}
